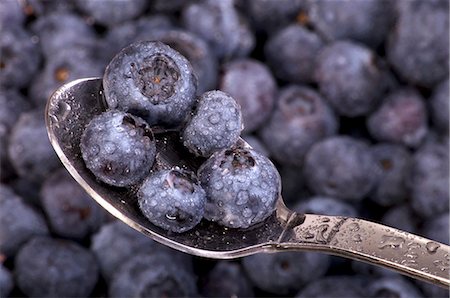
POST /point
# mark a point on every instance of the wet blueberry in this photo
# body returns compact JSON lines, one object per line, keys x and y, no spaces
{"x":241,"y":185}
{"x":172,"y":199}
{"x":215,"y":125}
{"x":151,"y":80}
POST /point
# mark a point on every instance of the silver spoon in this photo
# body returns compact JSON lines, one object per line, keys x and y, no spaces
{"x":71,"y":107}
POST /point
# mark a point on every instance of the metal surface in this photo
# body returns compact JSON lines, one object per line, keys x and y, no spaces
{"x":72,"y":106}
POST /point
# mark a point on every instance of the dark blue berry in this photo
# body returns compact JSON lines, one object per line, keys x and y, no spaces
{"x":300,"y":119}
{"x":71,"y":212}
{"x":326,"y":206}
{"x":335,"y":286}
{"x":401,"y":217}
{"x":219,"y":23}
{"x":18,"y":222}
{"x":6,"y":281}
{"x":151,"y":80}
{"x":109,"y":13}
{"x":437,"y":228}
{"x":349,"y":77}
{"x":215,"y":125}
{"x":11,"y":14}
{"x":365,"y":21}
{"x":118,"y":148}
{"x":20,"y":57}
{"x":292,"y":53}
{"x":29,"y":150}
{"x":393,"y":287}
{"x":285,"y":273}
{"x":55,"y":268}
{"x":439,"y":104}
{"x":294,"y":187}
{"x":340,"y":167}
{"x":394,"y":164}
{"x":418,"y":45}
{"x":172,"y":199}
{"x":241,"y":185}
{"x":152,"y":275}
{"x":226,"y":279}
{"x":401,"y":118}
{"x":251,"y":83}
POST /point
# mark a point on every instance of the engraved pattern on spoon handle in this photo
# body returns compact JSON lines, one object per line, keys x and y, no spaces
{"x":374,"y":243}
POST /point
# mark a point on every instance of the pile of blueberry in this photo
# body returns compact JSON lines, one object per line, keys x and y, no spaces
{"x":349,"y":99}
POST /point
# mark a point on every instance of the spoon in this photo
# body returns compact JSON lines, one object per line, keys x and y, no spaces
{"x":72,"y":106}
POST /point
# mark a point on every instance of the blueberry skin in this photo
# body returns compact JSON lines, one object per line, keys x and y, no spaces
{"x":11,"y":15}
{"x":47,"y":267}
{"x":300,"y":119}
{"x":219,"y":23}
{"x":366,"y":21}
{"x":437,"y":228}
{"x":401,"y":217}
{"x":21,"y":57}
{"x":394,"y":163}
{"x":340,"y":167}
{"x":109,"y":13}
{"x":226,"y":279}
{"x":292,"y":53}
{"x":195,"y":49}
{"x":70,"y":211}
{"x":429,"y":179}
{"x":242,"y":187}
{"x":335,"y":286}
{"x":29,"y":149}
{"x":172,"y":199}
{"x":6,"y":281}
{"x":401,"y":118}
{"x":151,"y":80}
{"x":118,"y":148}
{"x":18,"y":222}
{"x":152,"y":275}
{"x":349,"y":77}
{"x":417,"y":47}
{"x":393,"y":287}
{"x":285,"y":273}
{"x":326,"y":206}
{"x":253,"y":86}
{"x":439,"y":107}
{"x":215,"y":125}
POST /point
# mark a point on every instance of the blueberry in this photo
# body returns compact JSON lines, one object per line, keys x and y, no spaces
{"x":55,"y":268}
{"x":418,"y":45}
{"x":292,"y":53}
{"x":109,"y":13}
{"x":253,"y":86}
{"x":393,"y":287}
{"x":340,"y":167}
{"x":18,"y":222}
{"x":226,"y":279}
{"x":195,"y":49}
{"x":56,"y":35}
{"x":365,"y":21}
{"x":394,"y":164}
{"x":11,"y":14}
{"x":152,"y":275}
{"x":430,"y":179}
{"x":300,"y":119}
{"x":152,"y":80}
{"x":20,"y":57}
{"x":437,"y":228}
{"x":431,"y":290}
{"x":401,"y":217}
{"x":285,"y":273}
{"x":115,"y":243}
{"x":6,"y":281}
{"x":293,"y":184}
{"x":401,"y":118}
{"x":350,"y":78}
{"x":219,"y":23}
{"x":241,"y":185}
{"x":256,"y":144}
{"x":440,"y":107}
{"x":172,"y":199}
{"x":335,"y":286}
{"x":326,"y":206}
{"x":118,"y":148}
{"x":215,"y":125}
{"x":71,"y":212}
{"x":29,"y":150}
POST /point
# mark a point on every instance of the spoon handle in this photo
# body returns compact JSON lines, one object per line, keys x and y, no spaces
{"x":370,"y":242}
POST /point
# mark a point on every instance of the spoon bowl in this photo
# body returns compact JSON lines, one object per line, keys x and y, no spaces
{"x":73,"y":105}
